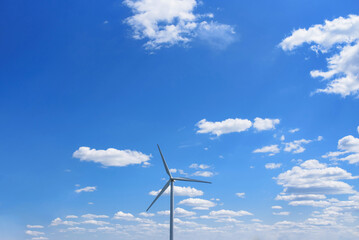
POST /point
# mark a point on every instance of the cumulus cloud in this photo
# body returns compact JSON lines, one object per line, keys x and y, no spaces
{"x":241,"y":194}
{"x":34,"y":226}
{"x":294,"y":130}
{"x":238,"y":125}
{"x":348,"y":147}
{"x":198,"y":203}
{"x":273,"y":165}
{"x":265,"y":124}
{"x":164,"y":23}
{"x":296,"y":146}
{"x":92,"y":216}
{"x":179,"y":212}
{"x":126,"y":216}
{"x":199,"y":166}
{"x":281,"y":213}
{"x":95,"y":222}
{"x":296,"y":197}
{"x":59,"y":221}
{"x":272,"y":150}
{"x":181,"y":191}
{"x":313,"y":179}
{"x":311,"y":203}
{"x":34,"y":233}
{"x":215,"y":34}
{"x":203,"y":174}
{"x":146,"y":214}
{"x":339,"y":35}
{"x":86,"y":189}
{"x":276,"y":207}
{"x":111,"y":157}
{"x":227,"y":126}
{"x":229,"y":213}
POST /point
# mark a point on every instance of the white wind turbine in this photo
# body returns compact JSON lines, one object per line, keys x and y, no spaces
{"x":171,"y":181}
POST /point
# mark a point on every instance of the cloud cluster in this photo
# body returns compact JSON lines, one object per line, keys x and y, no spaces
{"x":198,"y":203}
{"x":111,"y":157}
{"x":273,"y":165}
{"x":295,"y":146}
{"x":342,"y":35}
{"x":272,"y":150}
{"x":164,"y":23}
{"x":180,"y":191}
{"x":199,"y":166}
{"x":86,"y":189}
{"x":312,"y":180}
{"x":203,"y":174}
{"x":179,"y":212}
{"x":348,"y":147}
{"x":238,"y":125}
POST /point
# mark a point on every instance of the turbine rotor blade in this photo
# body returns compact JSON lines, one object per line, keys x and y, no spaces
{"x":160,"y":193}
{"x":189,"y":180}
{"x":164,"y":162}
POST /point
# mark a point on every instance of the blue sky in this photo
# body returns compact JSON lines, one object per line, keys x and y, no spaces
{"x":259,"y":98}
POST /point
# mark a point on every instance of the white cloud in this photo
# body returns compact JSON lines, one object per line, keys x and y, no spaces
{"x":111,"y":157}
{"x":272,"y":150}
{"x":179,"y":212}
{"x":59,"y":221}
{"x":311,"y":203}
{"x":166,"y":212}
{"x":173,"y":170}
{"x":164,"y":23}
{"x":342,"y":35}
{"x":198,"y":203}
{"x":203,"y":174}
{"x":199,"y":166}
{"x":34,"y":226}
{"x":34,"y":233}
{"x":229,"y":213}
{"x":92,"y":216}
{"x":294,"y":130}
{"x":95,"y":222}
{"x":227,"y":126}
{"x":125,"y":216}
{"x":296,"y":197}
{"x":312,"y":178}
{"x":86,"y":189}
{"x":296,"y":146}
{"x":181,"y":191}
{"x":146,"y":214}
{"x":215,"y":34}
{"x":358,"y":129}
{"x":276,"y":207}
{"x":273,"y":165}
{"x":241,"y":195}
{"x":281,"y":213}
{"x":282,"y":138}
{"x":71,"y":216}
{"x":348,"y":146}
{"x":39,"y":238}
{"x":265,"y":124}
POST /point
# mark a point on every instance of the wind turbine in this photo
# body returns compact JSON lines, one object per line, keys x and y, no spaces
{"x":170,"y":182}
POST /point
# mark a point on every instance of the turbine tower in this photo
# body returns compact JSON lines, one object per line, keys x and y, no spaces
{"x":170,"y":182}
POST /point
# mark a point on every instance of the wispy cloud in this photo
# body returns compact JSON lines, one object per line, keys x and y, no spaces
{"x":167,"y":23}
{"x":86,"y":189}
{"x":111,"y":157}
{"x":339,"y":35}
